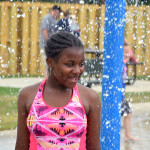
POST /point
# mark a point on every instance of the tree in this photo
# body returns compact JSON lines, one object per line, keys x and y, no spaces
{"x":138,"y":2}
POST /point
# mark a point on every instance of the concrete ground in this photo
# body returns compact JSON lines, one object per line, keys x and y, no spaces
{"x":140,"y":127}
{"x":140,"y":121}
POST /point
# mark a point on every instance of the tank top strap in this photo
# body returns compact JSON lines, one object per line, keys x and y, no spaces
{"x":42,"y":85}
{"x":76,"y":97}
{"x":40,"y":90}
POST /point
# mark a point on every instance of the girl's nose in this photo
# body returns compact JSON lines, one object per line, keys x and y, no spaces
{"x":77,"y":70}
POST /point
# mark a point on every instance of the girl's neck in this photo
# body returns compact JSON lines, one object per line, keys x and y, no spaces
{"x":53,"y":84}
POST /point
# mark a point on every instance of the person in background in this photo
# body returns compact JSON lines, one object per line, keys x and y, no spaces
{"x":47,"y":29}
{"x":128,"y":53}
{"x":125,"y":108}
{"x":59,"y":113}
{"x":68,"y":24}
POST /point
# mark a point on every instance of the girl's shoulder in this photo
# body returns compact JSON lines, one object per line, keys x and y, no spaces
{"x":27,"y":95}
{"x":89,"y":99}
{"x":29,"y":90}
{"x":87,"y":93}
{"x":86,"y":89}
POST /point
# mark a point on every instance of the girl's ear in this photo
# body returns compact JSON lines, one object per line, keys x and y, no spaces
{"x":50,"y":62}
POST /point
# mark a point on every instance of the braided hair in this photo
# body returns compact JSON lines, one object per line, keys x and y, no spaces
{"x":59,"y":42}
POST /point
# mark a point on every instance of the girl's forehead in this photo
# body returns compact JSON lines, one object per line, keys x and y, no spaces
{"x":73,"y":50}
{"x":72,"y":53}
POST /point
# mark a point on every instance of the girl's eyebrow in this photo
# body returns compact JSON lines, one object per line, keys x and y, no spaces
{"x":74,"y":61}
{"x":70,"y":61}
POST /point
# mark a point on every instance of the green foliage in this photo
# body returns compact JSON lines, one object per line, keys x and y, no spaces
{"x":138,"y":2}
{"x":93,"y":1}
{"x":129,"y":2}
{"x":22,"y":0}
{"x":60,"y":1}
{"x":144,"y":2}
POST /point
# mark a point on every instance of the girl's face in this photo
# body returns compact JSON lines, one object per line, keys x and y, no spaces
{"x":69,"y":67}
{"x":126,"y":54}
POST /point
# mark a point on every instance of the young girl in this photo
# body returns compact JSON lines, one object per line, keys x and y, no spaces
{"x":125,"y":108}
{"x":59,"y":113}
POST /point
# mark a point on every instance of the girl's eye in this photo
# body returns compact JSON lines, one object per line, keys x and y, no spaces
{"x":81,"y":65}
{"x":69,"y":65}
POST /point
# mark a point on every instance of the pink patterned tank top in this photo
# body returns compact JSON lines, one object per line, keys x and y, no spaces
{"x":61,"y":128}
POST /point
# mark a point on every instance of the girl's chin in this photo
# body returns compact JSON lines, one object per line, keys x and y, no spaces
{"x":71,"y":85}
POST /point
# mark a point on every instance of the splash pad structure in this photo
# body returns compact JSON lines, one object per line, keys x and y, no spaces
{"x":112,"y":74}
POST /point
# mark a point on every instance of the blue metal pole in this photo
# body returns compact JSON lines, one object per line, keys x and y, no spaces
{"x":112,"y":74}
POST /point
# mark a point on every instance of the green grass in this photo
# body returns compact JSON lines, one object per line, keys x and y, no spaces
{"x":8,"y":105}
{"x":19,"y":76}
{"x":143,"y":78}
{"x":8,"y":91}
{"x":136,"y":97}
{"x":8,"y":108}
{"x":27,"y":75}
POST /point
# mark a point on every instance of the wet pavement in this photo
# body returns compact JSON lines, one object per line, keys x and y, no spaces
{"x":8,"y":139}
{"x":140,"y":127}
{"x":140,"y":120}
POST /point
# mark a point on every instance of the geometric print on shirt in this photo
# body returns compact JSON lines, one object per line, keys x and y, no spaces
{"x":59,"y":128}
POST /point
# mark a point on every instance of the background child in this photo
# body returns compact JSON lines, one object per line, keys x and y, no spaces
{"x":125,"y":108}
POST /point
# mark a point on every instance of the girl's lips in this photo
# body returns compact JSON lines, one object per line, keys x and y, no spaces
{"x":74,"y":80}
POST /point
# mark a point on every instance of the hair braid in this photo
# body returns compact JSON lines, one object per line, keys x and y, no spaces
{"x":60,"y":41}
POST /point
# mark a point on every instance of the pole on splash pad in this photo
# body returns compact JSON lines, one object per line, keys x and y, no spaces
{"x":112,"y":74}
